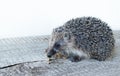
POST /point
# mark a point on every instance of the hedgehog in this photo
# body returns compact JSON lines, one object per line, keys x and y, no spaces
{"x":82,"y":38}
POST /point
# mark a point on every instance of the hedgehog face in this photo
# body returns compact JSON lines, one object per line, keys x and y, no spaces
{"x":57,"y":43}
{"x":57,"y":47}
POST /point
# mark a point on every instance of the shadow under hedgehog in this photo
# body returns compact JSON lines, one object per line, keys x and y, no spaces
{"x":82,"y":38}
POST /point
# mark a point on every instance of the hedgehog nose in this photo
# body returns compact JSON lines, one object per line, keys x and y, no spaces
{"x":49,"y":55}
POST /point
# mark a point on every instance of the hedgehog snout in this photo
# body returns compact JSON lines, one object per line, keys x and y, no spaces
{"x":55,"y":48}
{"x":51,"y":53}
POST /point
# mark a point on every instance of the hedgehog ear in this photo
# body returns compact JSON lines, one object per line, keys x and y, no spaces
{"x":66,"y":36}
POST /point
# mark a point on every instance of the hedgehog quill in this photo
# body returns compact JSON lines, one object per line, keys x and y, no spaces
{"x":82,"y":38}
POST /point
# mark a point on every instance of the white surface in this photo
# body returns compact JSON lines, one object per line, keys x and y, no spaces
{"x":38,"y":17}
{"x":25,"y":49}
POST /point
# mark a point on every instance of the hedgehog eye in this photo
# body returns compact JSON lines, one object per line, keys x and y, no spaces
{"x":57,"y":45}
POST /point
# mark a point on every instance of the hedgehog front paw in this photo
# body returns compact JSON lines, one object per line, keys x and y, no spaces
{"x":75,"y":58}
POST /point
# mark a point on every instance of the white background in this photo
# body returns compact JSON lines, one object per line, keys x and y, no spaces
{"x":38,"y":17}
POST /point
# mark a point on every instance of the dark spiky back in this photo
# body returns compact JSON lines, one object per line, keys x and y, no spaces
{"x":91,"y":34}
